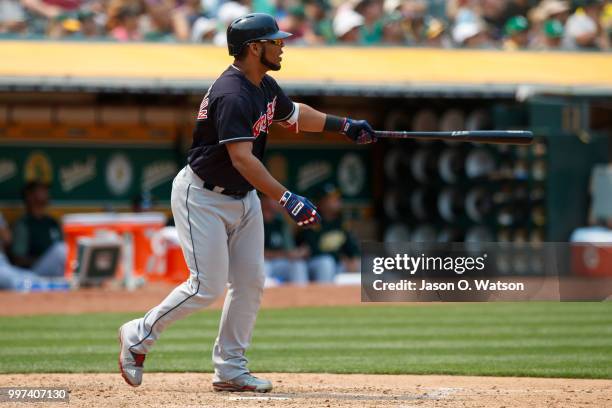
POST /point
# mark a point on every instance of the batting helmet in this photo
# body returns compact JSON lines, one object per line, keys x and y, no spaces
{"x":252,"y":27}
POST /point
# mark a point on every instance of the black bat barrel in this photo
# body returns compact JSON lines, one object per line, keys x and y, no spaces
{"x":521,"y":137}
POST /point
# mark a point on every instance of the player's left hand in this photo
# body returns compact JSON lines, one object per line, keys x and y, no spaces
{"x":300,"y":209}
{"x":359,"y":131}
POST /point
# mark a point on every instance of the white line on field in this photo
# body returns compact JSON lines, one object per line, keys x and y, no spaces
{"x":258,"y":398}
{"x":433,"y":393}
{"x":441,"y":392}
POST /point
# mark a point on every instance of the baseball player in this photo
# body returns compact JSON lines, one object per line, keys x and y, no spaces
{"x":216,"y":209}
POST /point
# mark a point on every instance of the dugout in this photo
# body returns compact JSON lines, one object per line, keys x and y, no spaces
{"x":106,"y":122}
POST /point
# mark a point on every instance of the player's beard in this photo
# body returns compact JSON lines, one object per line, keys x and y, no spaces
{"x":268,"y":63}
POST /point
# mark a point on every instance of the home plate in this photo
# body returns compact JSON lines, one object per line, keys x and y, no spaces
{"x":258,"y":398}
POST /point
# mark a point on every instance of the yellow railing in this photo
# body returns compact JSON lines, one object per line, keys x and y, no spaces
{"x":310,"y":65}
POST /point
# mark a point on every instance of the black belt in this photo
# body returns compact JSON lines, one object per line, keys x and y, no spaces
{"x":224,"y":191}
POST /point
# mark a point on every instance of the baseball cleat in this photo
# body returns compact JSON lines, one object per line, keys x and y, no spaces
{"x":130,"y":364}
{"x":245,"y":382}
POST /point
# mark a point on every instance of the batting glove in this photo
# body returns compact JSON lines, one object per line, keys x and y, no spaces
{"x":303,"y":212}
{"x":359,"y":131}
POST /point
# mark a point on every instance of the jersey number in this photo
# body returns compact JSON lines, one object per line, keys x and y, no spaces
{"x":203,"y":113}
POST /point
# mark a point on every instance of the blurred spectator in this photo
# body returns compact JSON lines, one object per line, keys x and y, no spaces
{"x":124,"y":22}
{"x":37,"y":237}
{"x":184,"y":17}
{"x":142,"y":202}
{"x":296,"y":23}
{"x":332,"y":247}
{"x":5,"y":235}
{"x":12,"y":17}
{"x":547,"y":10}
{"x":38,"y":15}
{"x":89,"y":26}
{"x":468,"y":23}
{"x":494,"y":14}
{"x":371,"y":32}
{"x":316,"y":12}
{"x":520,"y":7}
{"x":536,"y":17}
{"x":414,"y":13}
{"x":204,"y":30}
{"x":436,"y":34}
{"x":393,"y":30}
{"x":228,"y":12}
{"x":160,"y":21}
{"x":283,"y":261}
{"x":583,"y":29}
{"x":463,"y":11}
{"x":64,"y":26}
{"x":41,"y":13}
{"x":555,"y":10}
{"x":552,"y":35}
{"x":15,"y":278}
{"x":346,"y":26}
{"x":49,"y":8}
{"x":606,"y":25}
{"x":606,"y":16}
{"x":517,"y":33}
{"x":471,"y":35}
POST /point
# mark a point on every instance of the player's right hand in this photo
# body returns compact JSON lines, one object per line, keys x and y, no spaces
{"x":302,"y":211}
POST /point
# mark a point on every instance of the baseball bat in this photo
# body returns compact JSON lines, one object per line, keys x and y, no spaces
{"x":520,"y":137}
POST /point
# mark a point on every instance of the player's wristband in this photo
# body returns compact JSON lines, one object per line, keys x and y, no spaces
{"x":334,"y":123}
{"x":284,"y":198}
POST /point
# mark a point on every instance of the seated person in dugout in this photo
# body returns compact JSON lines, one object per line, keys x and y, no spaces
{"x":37,"y":237}
{"x":13,"y":277}
{"x":284,"y":262}
{"x":333,"y":248}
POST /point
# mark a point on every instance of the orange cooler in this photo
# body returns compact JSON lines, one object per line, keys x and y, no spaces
{"x":134,"y":228}
{"x":592,"y":251}
{"x":170,"y":264}
{"x":176,"y":267}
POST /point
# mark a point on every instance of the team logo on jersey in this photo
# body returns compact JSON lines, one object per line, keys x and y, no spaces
{"x":265,"y":120}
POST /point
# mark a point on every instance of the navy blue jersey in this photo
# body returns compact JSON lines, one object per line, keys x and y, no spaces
{"x":234,"y":110}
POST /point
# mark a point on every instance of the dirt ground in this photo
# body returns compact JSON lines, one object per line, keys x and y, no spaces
{"x":115,"y":299}
{"x":324,"y":390}
{"x":119,"y":300}
{"x":290,"y":390}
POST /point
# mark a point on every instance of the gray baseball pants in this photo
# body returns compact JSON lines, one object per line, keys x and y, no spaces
{"x":222,"y":240}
